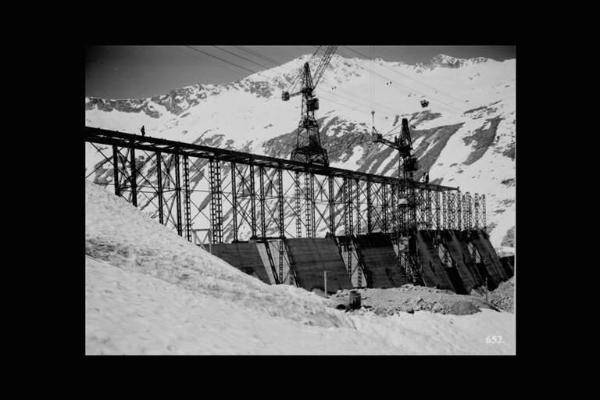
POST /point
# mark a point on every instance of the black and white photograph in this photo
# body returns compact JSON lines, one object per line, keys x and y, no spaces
{"x":300,"y":200}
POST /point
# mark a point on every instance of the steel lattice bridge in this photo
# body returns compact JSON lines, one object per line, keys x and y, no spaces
{"x":237,"y":197}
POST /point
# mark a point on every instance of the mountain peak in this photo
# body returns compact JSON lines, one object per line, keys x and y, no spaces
{"x":444,"y":60}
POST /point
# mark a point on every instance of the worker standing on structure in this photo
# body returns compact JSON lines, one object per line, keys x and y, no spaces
{"x":143,"y":131}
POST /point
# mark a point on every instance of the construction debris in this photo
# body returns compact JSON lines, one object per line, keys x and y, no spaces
{"x":504,"y":295}
{"x":409,"y":298}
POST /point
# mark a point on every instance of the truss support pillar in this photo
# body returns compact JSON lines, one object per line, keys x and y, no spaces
{"x":476,"y":207}
{"x":281,"y":220}
{"x":234,"y":201}
{"x":357,"y":206}
{"x":483,"y":216}
{"x":280,"y":202}
{"x":451,"y":211}
{"x":298,"y":204}
{"x":369,"y":208}
{"x":393,"y":203}
{"x":459,"y":224}
{"x":186,"y":198}
{"x":252,"y":202}
{"x":261,"y":200}
{"x":444,"y":210}
{"x":133,"y":175}
{"x":437,"y":211}
{"x":429,"y":213}
{"x":384,"y":207}
{"x":159,"y":183}
{"x":330,"y":181}
{"x":116,"y":170}
{"x":216,"y":210}
{"x":178,"y":195}
{"x":467,"y":211}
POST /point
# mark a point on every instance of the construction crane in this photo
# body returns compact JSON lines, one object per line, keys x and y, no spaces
{"x":407,"y":207}
{"x":308,"y":145}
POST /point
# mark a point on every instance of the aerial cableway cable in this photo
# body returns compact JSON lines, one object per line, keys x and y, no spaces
{"x":448,"y":106}
{"x":411,"y":78}
{"x":242,"y":57}
{"x":387,"y":79}
{"x":254,"y":72}
{"x":349,"y":96}
{"x":257,"y":55}
{"x":332,"y":94}
{"x":258,"y":73}
{"x":220,"y":59}
{"x":335,"y":95}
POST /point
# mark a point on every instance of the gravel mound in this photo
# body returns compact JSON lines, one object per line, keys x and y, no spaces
{"x":409,"y":298}
{"x":503,"y":296}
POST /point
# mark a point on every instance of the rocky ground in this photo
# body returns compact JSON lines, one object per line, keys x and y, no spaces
{"x":503,"y":296}
{"x":409,"y":298}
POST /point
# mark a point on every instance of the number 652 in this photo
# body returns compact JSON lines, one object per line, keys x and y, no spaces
{"x":493,"y":339}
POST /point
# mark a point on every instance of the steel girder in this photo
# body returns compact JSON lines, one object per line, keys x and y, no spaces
{"x":241,"y":196}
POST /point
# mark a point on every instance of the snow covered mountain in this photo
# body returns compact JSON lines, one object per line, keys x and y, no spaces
{"x":465,"y":137}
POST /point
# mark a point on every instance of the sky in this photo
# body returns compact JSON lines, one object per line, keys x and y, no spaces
{"x":122,"y":72}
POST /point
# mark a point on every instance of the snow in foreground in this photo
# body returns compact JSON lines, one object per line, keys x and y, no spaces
{"x":148,"y":291}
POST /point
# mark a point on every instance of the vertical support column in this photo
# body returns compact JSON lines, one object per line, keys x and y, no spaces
{"x":422,"y":204}
{"x":252,"y":202}
{"x":330,"y":180}
{"x":281,"y":221}
{"x":261,"y":200}
{"x":464,"y":212}
{"x":350,"y":209}
{"x":351,"y":232}
{"x":280,"y":202}
{"x":467,"y":211}
{"x":483,"y":216}
{"x":384,"y":207}
{"x":346,"y":193}
{"x":393,"y":207}
{"x":178,"y":195}
{"x":186,"y":198}
{"x":459,"y":224}
{"x":369,"y":208}
{"x":216,"y":211}
{"x":234,"y":202}
{"x":133,"y":168}
{"x":348,"y":221}
{"x":401,"y":207}
{"x":444,"y":210}
{"x":159,"y":183}
{"x":418,"y":212}
{"x":451,"y":211}
{"x":429,"y":213}
{"x":116,"y":170}
{"x":476,"y":206}
{"x":307,"y":218}
{"x":313,"y":206}
{"x":357,"y":199}
{"x":436,"y":199}
{"x":298,"y":210}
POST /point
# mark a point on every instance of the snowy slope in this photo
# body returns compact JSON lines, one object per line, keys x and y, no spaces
{"x":148,"y":291}
{"x":465,"y":138}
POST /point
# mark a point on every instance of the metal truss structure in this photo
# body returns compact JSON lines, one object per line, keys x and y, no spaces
{"x":236,"y":196}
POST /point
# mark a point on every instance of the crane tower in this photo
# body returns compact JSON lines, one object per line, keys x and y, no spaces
{"x":407,"y":207}
{"x":308,"y":144}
